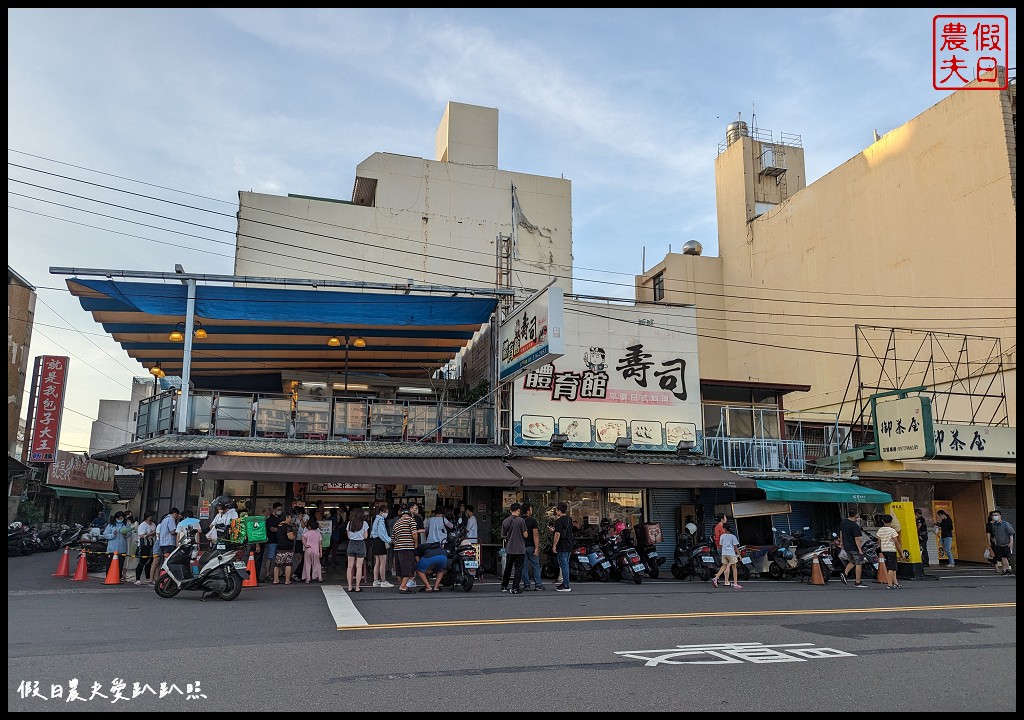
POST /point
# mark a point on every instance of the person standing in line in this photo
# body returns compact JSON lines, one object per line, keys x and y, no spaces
{"x":285,"y":550}
{"x":166,"y":540}
{"x":561,"y":543}
{"x":312,"y":549}
{"x":131,"y":559}
{"x":1002,"y":543}
{"x":116,"y":534}
{"x":389,"y":524}
{"x":730,"y":558}
{"x":357,"y":531}
{"x":333,"y":552}
{"x":850,"y":534}
{"x":531,"y":562}
{"x":299,"y":520}
{"x":513,"y":532}
{"x":922,"y":534}
{"x":380,"y":541}
{"x":421,"y":532}
{"x":438,"y":526}
{"x":473,"y":537}
{"x":404,"y":542}
{"x":944,"y":529}
{"x":889,"y":546}
{"x":147,"y":542}
{"x":273,"y":521}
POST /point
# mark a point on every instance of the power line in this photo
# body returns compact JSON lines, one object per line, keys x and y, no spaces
{"x":467,"y":250}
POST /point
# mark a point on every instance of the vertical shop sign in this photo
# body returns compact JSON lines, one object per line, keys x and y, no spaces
{"x":49,"y":406}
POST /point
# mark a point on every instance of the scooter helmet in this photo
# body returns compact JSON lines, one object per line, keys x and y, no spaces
{"x":619,"y":527}
{"x":605,"y":523}
{"x":787,"y":555}
{"x":691,"y":528}
{"x":225,"y":502}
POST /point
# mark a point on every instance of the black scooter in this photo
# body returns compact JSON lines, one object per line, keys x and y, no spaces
{"x":462,"y":562}
{"x":652,"y":560}
{"x":625,"y":560}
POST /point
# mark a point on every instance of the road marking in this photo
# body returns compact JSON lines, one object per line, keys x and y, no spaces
{"x":342,"y":608}
{"x":665,"y":616}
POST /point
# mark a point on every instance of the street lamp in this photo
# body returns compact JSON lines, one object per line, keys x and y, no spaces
{"x":358,"y":342}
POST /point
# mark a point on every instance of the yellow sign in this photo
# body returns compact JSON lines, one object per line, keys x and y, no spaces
{"x":903,"y":513}
{"x":946,"y":505}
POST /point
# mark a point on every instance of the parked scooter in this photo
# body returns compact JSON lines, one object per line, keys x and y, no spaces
{"x":21,"y":540}
{"x":625,"y":560}
{"x":793,"y":557}
{"x":648,"y":550}
{"x":218,"y":571}
{"x":462,"y":561}
{"x":600,"y":566}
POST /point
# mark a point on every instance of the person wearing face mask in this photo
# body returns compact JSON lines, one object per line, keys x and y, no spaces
{"x":270,"y":551}
{"x":1001,"y":538}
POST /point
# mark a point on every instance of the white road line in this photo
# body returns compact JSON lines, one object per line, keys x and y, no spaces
{"x":341,"y":607}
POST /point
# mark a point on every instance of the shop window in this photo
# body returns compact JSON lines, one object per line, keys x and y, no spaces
{"x":584,"y":509}
{"x":625,"y":505}
{"x":241,"y":492}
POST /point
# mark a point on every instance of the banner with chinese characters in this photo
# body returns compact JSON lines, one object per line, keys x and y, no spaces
{"x":49,"y":405}
{"x":627,"y":372}
{"x":80,"y":471}
{"x":903,"y":428}
{"x":532,"y":334}
{"x":975,"y":442}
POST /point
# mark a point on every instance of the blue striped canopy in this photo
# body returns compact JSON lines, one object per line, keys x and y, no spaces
{"x":259,"y":330}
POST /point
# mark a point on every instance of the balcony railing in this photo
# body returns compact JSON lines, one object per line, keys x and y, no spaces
{"x":757,"y":454}
{"x":269,"y":415}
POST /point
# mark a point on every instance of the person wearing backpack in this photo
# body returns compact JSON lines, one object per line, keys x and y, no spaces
{"x":562,"y":541}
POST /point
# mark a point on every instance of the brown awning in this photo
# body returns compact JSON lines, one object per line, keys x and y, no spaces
{"x":486,"y":472}
{"x":587,"y":473}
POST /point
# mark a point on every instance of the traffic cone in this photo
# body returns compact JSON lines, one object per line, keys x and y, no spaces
{"x":251,"y":581}
{"x":883,"y":572}
{"x":82,"y":568}
{"x":816,"y":577}
{"x":64,"y":566}
{"x":114,"y":571}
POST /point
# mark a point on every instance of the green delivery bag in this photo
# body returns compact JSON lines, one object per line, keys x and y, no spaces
{"x":255,"y":528}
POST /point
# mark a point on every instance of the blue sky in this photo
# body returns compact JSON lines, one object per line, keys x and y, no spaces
{"x":195,"y":105}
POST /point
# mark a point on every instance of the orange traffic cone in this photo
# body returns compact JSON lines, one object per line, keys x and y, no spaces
{"x":251,"y":581}
{"x":82,"y":568}
{"x":114,"y":571}
{"x":64,"y":566}
{"x":816,"y":577}
{"x":883,"y":572}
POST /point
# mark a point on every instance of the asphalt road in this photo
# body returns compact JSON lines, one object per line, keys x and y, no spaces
{"x":666,"y":645}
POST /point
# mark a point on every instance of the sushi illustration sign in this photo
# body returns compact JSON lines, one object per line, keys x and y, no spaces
{"x":532,"y":335}
{"x":627,"y":372}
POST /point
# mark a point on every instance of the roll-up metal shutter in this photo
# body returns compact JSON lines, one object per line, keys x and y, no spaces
{"x":665,"y":510}
{"x":798,"y":517}
{"x":707,"y":500}
{"x":1006,"y":502}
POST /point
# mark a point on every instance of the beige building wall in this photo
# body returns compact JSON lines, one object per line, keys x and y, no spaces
{"x":917,"y":231}
{"x":21,"y":309}
{"x":430,"y":221}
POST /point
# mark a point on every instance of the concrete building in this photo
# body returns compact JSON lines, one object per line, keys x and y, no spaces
{"x":21,"y":309}
{"x":901,"y":261}
{"x":917,"y":231}
{"x":418,"y":220}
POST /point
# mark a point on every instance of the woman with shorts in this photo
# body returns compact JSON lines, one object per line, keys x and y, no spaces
{"x":730,"y":558}
{"x":357,"y":531}
{"x":285,"y":550}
